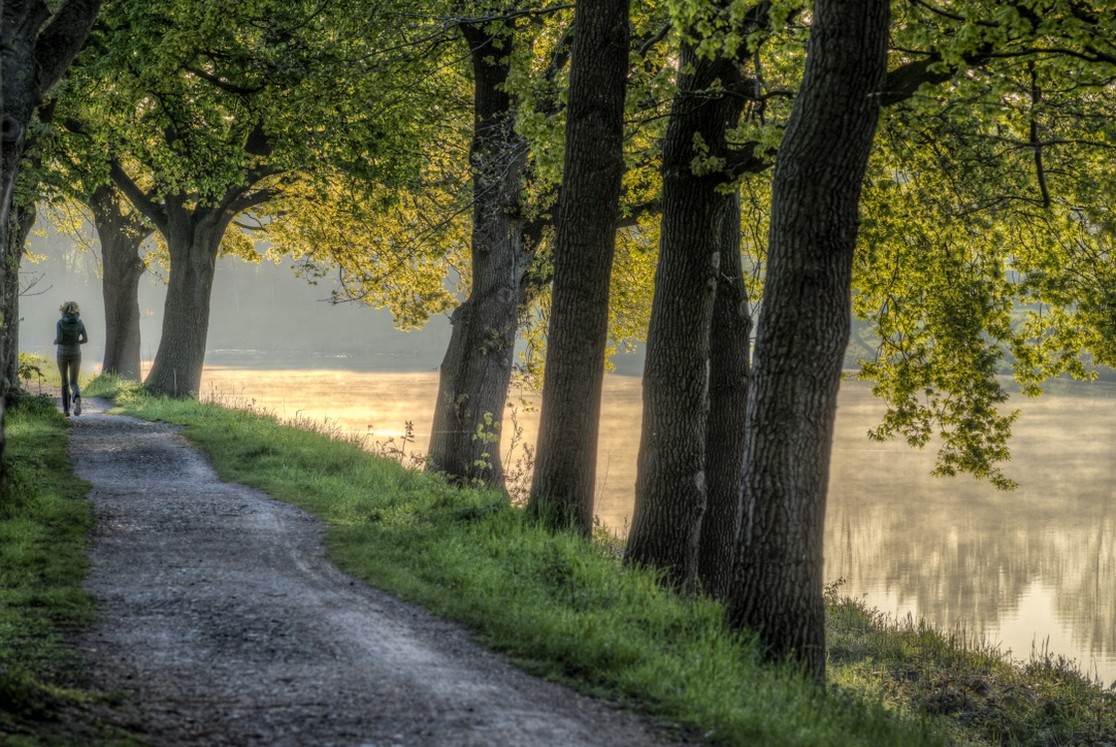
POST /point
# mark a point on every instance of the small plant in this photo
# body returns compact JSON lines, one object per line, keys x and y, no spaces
{"x":400,"y":450}
{"x":517,"y":477}
{"x":31,"y":366}
{"x":487,"y":432}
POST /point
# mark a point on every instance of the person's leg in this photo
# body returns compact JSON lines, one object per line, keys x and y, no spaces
{"x":63,"y":374}
{"x":75,"y":369}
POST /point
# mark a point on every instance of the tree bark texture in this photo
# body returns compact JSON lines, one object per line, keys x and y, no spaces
{"x":121,"y":235}
{"x":476,"y":371}
{"x":671,"y":472}
{"x":22,"y":221}
{"x":32,"y":59}
{"x":585,"y":243}
{"x":193,"y":237}
{"x":803,"y":331}
{"x":33,"y":56}
{"x":729,"y":351}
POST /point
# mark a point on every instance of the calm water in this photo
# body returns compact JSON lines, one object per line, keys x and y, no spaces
{"x":1030,"y":570}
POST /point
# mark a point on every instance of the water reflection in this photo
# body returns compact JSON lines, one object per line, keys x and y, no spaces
{"x":1031,"y":569}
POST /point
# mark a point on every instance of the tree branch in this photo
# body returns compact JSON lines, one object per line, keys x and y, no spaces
{"x":139,"y":199}
{"x":221,"y":83}
{"x":61,"y":40}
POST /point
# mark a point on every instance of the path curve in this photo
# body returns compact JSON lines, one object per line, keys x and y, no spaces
{"x":223,"y":623}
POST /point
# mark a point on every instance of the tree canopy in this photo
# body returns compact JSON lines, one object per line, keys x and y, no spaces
{"x":421,"y":152}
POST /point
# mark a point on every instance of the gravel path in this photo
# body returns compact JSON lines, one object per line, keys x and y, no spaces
{"x":223,"y":624}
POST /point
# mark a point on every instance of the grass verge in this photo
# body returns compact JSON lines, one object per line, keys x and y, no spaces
{"x":44,"y":524}
{"x":561,"y":607}
{"x":973,"y":691}
{"x":565,"y":609}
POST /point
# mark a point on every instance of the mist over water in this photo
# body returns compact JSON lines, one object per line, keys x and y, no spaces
{"x":1032,"y":570}
{"x":261,"y":314}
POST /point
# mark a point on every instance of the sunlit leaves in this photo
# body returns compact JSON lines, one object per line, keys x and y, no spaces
{"x":719,"y":28}
{"x":931,"y":279}
{"x":984,"y":250}
{"x":395,"y":251}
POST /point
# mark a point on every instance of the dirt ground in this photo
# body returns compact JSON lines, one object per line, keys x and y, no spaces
{"x":222,"y":623}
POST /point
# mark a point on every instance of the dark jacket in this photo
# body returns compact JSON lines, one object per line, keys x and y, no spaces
{"x":69,"y":335}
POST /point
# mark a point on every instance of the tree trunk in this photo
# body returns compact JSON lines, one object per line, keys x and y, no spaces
{"x":22,"y":221}
{"x":476,"y":371}
{"x":32,"y":59}
{"x":731,"y":329}
{"x":121,"y":235}
{"x":565,"y":470}
{"x":803,"y":331}
{"x":193,"y":238}
{"x":671,"y":477}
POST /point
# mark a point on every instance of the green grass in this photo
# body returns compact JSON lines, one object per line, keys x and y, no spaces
{"x":973,"y":691}
{"x":44,"y":525}
{"x":561,"y":607}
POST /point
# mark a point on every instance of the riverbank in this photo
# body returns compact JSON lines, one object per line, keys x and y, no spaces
{"x":1026,"y":569}
{"x":564,"y":609}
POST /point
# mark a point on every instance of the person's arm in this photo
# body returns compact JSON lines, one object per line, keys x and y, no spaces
{"x":58,"y":332}
{"x":83,"y":338}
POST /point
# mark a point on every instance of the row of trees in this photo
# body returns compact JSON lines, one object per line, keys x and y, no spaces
{"x":945,"y":168}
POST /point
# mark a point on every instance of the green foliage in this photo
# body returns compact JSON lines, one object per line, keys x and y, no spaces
{"x":984,"y":244}
{"x":34,"y":367}
{"x":943,"y":322}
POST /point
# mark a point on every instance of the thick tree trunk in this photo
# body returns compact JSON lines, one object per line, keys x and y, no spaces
{"x":804,"y":329}
{"x":22,"y":221}
{"x":121,"y":235}
{"x":20,"y":93}
{"x":193,"y":238}
{"x":32,"y":59}
{"x":731,"y":329}
{"x":476,"y":371}
{"x":565,"y":470}
{"x":671,"y":477}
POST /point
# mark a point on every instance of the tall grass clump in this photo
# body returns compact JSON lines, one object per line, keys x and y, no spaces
{"x":44,"y":525}
{"x":562,"y":607}
{"x":975,"y":692}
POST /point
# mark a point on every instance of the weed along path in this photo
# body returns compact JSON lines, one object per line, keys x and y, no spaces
{"x":222,"y":623}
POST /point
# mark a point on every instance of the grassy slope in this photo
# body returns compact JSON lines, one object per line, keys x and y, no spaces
{"x":44,"y":523}
{"x":565,"y":609}
{"x":562,"y":607}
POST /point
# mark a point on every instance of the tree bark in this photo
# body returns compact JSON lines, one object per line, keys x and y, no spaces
{"x":671,"y":480}
{"x":121,"y":234}
{"x":193,"y":237}
{"x":32,"y":59}
{"x":22,"y":221}
{"x":476,"y":371}
{"x":730,"y":333}
{"x":565,"y":470}
{"x":803,"y":331}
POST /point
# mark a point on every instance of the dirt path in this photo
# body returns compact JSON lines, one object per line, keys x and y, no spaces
{"x":222,"y":622}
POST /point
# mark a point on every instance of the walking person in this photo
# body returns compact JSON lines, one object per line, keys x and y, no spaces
{"x":69,"y":336}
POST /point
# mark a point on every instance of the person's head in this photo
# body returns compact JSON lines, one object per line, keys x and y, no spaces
{"x":70,"y":307}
